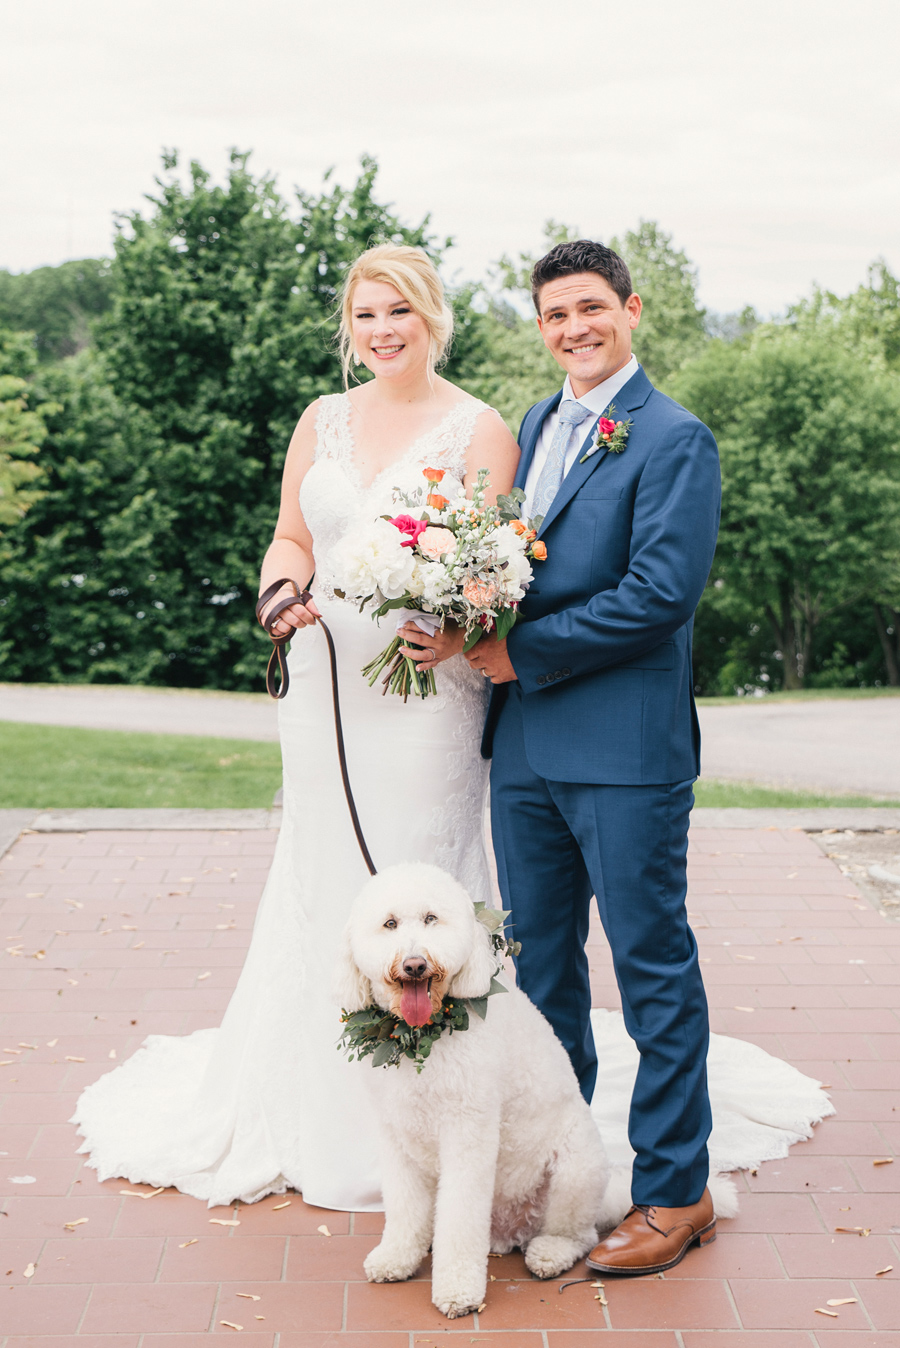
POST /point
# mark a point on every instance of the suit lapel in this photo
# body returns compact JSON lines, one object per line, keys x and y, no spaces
{"x":532,"y":431}
{"x":629,"y":398}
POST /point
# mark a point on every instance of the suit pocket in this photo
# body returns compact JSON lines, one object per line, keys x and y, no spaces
{"x":598,"y":493}
{"x":661,"y":657}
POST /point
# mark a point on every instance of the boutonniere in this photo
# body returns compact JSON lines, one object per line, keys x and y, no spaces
{"x":611,"y":435}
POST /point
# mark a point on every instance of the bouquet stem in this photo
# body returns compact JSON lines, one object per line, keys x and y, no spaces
{"x":402,"y":676}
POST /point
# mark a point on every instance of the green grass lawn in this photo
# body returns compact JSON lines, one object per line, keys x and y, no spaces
{"x":799,"y":695}
{"x":57,"y":767}
{"x":748,"y":795}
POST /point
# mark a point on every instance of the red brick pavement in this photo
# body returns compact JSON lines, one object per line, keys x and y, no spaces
{"x":115,"y":932}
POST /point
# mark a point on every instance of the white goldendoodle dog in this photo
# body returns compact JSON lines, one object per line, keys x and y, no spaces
{"x":490,"y":1145}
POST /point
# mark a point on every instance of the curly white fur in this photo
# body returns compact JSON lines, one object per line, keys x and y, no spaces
{"x":492,"y":1145}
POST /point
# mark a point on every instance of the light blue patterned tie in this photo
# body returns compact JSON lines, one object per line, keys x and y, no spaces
{"x":571,"y":415}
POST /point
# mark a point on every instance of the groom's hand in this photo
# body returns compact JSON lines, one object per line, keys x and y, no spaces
{"x":489,"y":657}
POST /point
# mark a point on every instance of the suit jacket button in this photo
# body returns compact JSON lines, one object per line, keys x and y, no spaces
{"x":558,"y":674}
{"x":542,"y":679}
{"x":566,"y":673}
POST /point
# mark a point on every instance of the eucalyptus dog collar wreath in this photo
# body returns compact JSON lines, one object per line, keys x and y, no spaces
{"x":387,"y":1039}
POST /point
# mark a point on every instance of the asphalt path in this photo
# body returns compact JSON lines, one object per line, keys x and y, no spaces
{"x":840,"y":745}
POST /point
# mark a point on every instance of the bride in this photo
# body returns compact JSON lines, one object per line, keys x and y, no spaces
{"x":266,"y":1101}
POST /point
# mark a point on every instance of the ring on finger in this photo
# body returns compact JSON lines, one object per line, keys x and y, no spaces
{"x":431,"y":654}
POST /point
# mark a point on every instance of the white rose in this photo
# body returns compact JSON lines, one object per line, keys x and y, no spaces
{"x":517,"y":575}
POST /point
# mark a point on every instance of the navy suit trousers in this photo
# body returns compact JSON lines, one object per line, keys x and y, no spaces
{"x":559,"y":843}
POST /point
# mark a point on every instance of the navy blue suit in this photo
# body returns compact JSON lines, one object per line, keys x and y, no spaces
{"x":595,"y":750}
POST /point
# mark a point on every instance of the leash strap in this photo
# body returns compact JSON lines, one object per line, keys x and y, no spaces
{"x":278,"y":660}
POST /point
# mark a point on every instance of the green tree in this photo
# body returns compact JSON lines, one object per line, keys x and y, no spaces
{"x":810,"y":442}
{"x":140,"y":562}
{"x":673,"y":324}
{"x":57,"y":304}
{"x":22,"y":431}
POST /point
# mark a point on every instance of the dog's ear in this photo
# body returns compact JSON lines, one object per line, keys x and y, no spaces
{"x":351,"y":988}
{"x":474,"y":978}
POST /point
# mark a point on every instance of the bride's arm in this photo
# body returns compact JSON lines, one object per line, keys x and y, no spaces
{"x":493,"y":447}
{"x":290,"y":553}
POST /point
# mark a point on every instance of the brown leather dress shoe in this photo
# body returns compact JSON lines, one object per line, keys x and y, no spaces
{"x":652,"y":1239}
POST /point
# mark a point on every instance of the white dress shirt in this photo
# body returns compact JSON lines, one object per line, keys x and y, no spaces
{"x":597,"y":399}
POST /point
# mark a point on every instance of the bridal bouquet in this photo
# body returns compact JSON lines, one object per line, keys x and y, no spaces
{"x":460,"y":560}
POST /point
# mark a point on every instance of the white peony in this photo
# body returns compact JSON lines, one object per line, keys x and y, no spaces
{"x":372,"y":557}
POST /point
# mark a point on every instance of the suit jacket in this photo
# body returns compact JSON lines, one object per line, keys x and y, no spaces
{"x":602,"y":648}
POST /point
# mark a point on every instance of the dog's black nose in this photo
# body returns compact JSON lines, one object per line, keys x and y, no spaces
{"x":414,"y":967}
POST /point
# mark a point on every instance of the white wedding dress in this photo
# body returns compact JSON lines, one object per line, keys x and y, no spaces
{"x":266,"y":1102}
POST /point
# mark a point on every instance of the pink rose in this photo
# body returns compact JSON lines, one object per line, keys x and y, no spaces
{"x":407,"y":524}
{"x":435,"y":541}
{"x":606,"y":426}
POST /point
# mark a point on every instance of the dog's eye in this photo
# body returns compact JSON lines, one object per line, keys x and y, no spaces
{"x":430,"y":917}
{"x":391,"y":923}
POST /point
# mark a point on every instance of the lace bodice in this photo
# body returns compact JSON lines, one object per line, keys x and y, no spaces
{"x":333,"y":494}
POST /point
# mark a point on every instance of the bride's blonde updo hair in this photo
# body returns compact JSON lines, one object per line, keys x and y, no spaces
{"x":411,"y":271}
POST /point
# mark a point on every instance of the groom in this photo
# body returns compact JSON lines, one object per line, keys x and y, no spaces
{"x":594,"y":735}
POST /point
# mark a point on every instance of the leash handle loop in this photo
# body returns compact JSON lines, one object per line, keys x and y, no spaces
{"x":278,"y":659}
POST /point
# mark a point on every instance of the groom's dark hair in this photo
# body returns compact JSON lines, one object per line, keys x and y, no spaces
{"x":567,"y":259}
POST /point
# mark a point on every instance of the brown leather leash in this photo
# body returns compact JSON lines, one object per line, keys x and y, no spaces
{"x":278,"y":659}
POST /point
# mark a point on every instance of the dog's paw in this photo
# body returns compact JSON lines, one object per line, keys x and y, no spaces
{"x":390,"y":1264}
{"x":458,"y":1296}
{"x":548,"y":1256}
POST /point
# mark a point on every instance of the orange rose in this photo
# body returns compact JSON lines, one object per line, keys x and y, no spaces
{"x":436,"y":500}
{"x":539,"y":551}
{"x":433,"y":474}
{"x":519,"y":526}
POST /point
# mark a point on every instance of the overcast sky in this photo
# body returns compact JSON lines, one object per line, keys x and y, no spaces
{"x":763,"y":136}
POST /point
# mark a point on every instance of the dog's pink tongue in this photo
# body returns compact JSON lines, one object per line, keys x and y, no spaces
{"x":415,"y":1003}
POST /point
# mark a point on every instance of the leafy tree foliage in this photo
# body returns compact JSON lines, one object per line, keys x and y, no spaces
{"x":672,"y":329}
{"x":56,"y":304}
{"x":21,"y":431}
{"x":141,"y":561}
{"x":810,"y":443}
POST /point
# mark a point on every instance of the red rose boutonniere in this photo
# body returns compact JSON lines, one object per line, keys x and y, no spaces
{"x":611,"y":435}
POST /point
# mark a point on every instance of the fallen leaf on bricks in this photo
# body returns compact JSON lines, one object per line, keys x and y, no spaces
{"x":842,"y":1301}
{"x":884,"y":1160}
{"x":888,"y":1268}
{"x":248,"y":1296}
{"x":69,"y":1058}
{"x":281,"y":1205}
{"x":220,"y":1221}
{"x":185,"y":1243}
{"x":29,"y":1272}
{"x":229,"y":1324}
{"x":323,"y":1231}
{"x":820,"y":1310}
{"x":79,"y":1221}
{"x":200,"y":977}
